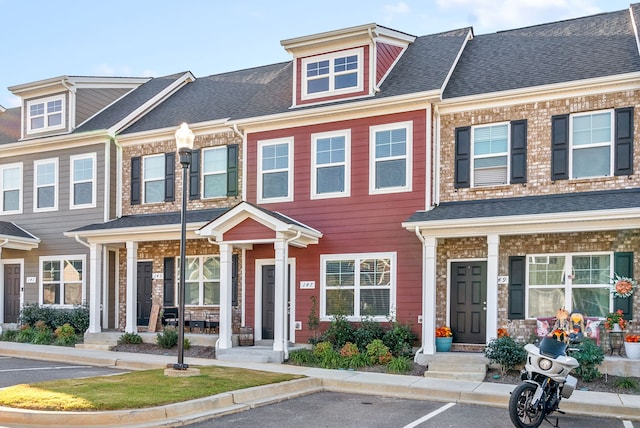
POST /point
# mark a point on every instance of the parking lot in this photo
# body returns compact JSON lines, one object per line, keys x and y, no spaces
{"x":15,"y":371}
{"x":330,"y":409}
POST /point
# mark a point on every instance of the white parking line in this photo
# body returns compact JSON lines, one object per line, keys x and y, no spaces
{"x":43,"y":368}
{"x":429,"y":416}
{"x":627,"y":424}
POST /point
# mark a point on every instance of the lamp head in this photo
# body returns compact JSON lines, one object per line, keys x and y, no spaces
{"x":184,"y":138}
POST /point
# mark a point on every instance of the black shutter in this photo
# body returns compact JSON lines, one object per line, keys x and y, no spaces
{"x":169,"y":284}
{"x":560,"y":147}
{"x":135,"y":180}
{"x":518,"y":151}
{"x":623,"y":143}
{"x":234,"y":280}
{"x":463,"y":158}
{"x":194,"y":175}
{"x":232,"y":170}
{"x":623,"y":266}
{"x":169,"y":177}
{"x":517,"y":272}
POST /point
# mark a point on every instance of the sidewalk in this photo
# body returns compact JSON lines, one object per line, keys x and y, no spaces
{"x":410,"y":387}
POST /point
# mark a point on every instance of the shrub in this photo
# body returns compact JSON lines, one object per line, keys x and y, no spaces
{"x":167,"y":339}
{"x":505,"y":352}
{"x":130,"y":339}
{"x":340,"y":331}
{"x":589,"y":355}
{"x":357,"y":361}
{"x":303,"y":357}
{"x":65,"y":335}
{"x":401,"y":364}
{"x":400,"y":339}
{"x":626,"y":382}
{"x":9,"y":335}
{"x":349,"y":350}
{"x":78,"y":317}
{"x":368,"y":331}
{"x":313,"y":321}
{"x":25,"y":334}
{"x":378,"y":352}
{"x":42,"y":334}
{"x":328,"y":357}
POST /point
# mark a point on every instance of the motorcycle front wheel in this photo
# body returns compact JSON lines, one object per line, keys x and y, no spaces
{"x":521,"y":412}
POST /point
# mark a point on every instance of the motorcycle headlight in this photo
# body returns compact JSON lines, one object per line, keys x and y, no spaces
{"x":545,"y":364}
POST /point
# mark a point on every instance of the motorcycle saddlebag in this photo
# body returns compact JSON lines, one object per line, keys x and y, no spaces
{"x":569,"y":386}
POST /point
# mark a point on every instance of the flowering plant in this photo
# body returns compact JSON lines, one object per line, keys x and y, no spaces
{"x":444,"y":331}
{"x":632,"y":338}
{"x":621,"y":286}
{"x":616,"y":317}
{"x":502,"y":332}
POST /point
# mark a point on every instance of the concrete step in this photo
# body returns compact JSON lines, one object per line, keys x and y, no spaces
{"x":252,"y":354}
{"x":457,"y":365}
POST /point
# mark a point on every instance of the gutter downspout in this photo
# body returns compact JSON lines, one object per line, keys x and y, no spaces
{"x":215,"y":345}
{"x":285,"y":346}
{"x":243,"y":136}
{"x":80,"y":241}
{"x":118,"y":177}
{"x":424,"y":277}
{"x":436,"y":164}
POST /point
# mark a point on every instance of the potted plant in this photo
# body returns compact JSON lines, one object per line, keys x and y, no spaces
{"x":632,"y":346}
{"x":615,"y":321}
{"x":444,"y":339}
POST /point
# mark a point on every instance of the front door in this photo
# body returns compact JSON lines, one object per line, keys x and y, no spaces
{"x":268,"y":300}
{"x":469,"y":302}
{"x":11,"y":293}
{"x":144,"y":292}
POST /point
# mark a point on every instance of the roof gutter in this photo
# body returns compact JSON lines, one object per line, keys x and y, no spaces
{"x":374,"y":60}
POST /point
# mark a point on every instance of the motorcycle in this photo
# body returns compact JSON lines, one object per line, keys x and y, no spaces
{"x":545,"y":381}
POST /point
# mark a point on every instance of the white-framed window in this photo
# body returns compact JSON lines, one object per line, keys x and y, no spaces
{"x":153,"y":176}
{"x":578,"y":282}
{"x":490,"y":148}
{"x":45,"y":114}
{"x":11,"y":185}
{"x":390,"y":158}
{"x":201,"y":280}
{"x":591,"y":142}
{"x":358,"y":285}
{"x":63,"y":280}
{"x":214,"y":172}
{"x":335,"y":73}
{"x":275,"y":170}
{"x":331,"y":164}
{"x":83,"y":181}
{"x":45,"y":185}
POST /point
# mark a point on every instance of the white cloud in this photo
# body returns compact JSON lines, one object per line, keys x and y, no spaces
{"x":393,"y":10}
{"x":495,"y":15}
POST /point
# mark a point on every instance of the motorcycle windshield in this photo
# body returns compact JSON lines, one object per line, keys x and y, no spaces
{"x":552,"y":348}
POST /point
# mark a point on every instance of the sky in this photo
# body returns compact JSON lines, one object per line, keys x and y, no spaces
{"x":40,"y":39}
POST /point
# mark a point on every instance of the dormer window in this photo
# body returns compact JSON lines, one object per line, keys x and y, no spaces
{"x":45,"y":114}
{"x":332,"y":74}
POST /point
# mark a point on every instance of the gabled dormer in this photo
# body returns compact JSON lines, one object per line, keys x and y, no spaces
{"x":343,"y":64}
{"x":60,"y":104}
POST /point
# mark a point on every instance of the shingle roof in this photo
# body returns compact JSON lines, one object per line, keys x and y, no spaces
{"x":530,"y":205}
{"x":267,"y":90}
{"x":583,"y":48}
{"x":10,"y":229}
{"x":158,"y":219}
{"x":10,"y":125}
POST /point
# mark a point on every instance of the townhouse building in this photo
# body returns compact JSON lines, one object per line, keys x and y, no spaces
{"x":477,"y":181}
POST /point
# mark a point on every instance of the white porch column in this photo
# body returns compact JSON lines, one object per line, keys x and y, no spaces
{"x":429,"y":296}
{"x":493,"y":248}
{"x":226,"y":321}
{"x":95,"y":287}
{"x":132,"y":286}
{"x":280,"y":306}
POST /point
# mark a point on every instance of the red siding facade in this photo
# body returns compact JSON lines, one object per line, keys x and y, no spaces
{"x":386,"y":55}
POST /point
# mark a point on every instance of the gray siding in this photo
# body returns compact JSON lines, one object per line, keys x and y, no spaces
{"x":50,"y":226}
{"x":91,"y":101}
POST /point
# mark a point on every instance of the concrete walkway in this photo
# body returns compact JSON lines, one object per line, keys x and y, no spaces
{"x":410,"y":387}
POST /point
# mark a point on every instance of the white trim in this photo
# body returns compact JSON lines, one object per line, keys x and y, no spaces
{"x":491,"y":155}
{"x":289,"y":169}
{"x":357,"y":316}
{"x":62,"y":259}
{"x":346,"y":133}
{"x":20,"y":168}
{"x":609,"y":144}
{"x":161,"y":178}
{"x":94,"y":179}
{"x":203,"y":174}
{"x":408,"y":157}
{"x":259,"y":263}
{"x":332,"y":74}
{"x":45,"y":115}
{"x":200,"y":281}
{"x":55,"y":184}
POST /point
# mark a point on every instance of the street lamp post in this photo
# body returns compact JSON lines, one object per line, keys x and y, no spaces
{"x":184,"y":144}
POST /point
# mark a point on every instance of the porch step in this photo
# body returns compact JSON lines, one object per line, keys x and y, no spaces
{"x":250,"y":354}
{"x":97,"y":347}
{"x":456,"y":365}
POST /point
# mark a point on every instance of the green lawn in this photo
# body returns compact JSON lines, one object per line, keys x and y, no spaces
{"x":133,"y":390}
